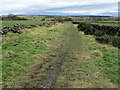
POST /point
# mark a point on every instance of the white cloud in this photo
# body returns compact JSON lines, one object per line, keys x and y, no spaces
{"x":23,"y":6}
{"x":99,"y":9}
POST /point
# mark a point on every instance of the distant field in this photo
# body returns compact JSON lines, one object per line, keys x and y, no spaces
{"x":34,"y":20}
{"x":27,"y":23}
{"x":106,"y":23}
{"x":38,"y":19}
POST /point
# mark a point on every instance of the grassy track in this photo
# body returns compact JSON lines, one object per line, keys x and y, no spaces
{"x":93,"y":66}
{"x":34,"y":50}
{"x":69,"y":41}
{"x":59,"y":56}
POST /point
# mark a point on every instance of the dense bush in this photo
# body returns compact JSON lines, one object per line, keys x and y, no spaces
{"x":89,"y":31}
{"x":84,"y":27}
{"x":114,"y":40}
{"x":110,"y":30}
{"x":60,"y":19}
{"x":99,"y":33}
{"x":68,"y":19}
{"x":104,"y":34}
{"x":43,"y":19}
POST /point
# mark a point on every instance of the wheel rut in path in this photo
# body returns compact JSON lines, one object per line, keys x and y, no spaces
{"x":50,"y":78}
{"x":70,"y":41}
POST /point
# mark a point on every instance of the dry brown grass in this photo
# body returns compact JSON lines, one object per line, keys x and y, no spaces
{"x":8,"y":54}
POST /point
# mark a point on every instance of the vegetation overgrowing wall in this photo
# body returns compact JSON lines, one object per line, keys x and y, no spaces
{"x":16,"y":28}
{"x":104,"y":34}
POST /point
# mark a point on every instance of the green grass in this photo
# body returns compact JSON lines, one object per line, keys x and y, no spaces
{"x":88,"y":65}
{"x":93,"y":66}
{"x":108,"y":63}
{"x":23,"y":51}
{"x":106,"y":23}
{"x":109,"y":21}
{"x":36,"y":18}
{"x":27,"y":23}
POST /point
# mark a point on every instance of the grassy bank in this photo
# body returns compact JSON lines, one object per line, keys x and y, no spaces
{"x":25,"y":53}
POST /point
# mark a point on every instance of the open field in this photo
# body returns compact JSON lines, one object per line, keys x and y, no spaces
{"x":32,"y":20}
{"x":27,"y":23}
{"x":105,"y":23}
{"x":35,"y":20}
{"x":59,"y":55}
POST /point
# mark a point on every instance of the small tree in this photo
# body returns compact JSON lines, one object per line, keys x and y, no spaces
{"x":43,"y":19}
{"x":12,"y":16}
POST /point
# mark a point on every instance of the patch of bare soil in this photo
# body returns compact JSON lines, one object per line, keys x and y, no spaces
{"x":52,"y":72}
{"x":50,"y":78}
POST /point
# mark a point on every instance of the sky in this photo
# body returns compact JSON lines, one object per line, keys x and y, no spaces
{"x":59,"y":7}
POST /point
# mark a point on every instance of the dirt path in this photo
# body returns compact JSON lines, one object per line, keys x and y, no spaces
{"x":83,"y":71}
{"x":67,"y":43}
{"x":80,"y":70}
{"x":49,"y":80}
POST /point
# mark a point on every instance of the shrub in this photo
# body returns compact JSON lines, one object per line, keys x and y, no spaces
{"x":99,"y":33}
{"x":114,"y":40}
{"x":104,"y":34}
{"x":84,"y":26}
{"x":43,"y":19}
{"x":89,"y":31}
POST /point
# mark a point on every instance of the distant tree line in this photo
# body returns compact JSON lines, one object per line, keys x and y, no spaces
{"x":12,"y":17}
{"x":62,"y":19}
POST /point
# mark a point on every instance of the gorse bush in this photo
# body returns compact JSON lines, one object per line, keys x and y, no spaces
{"x":113,"y":40}
{"x":104,"y":34}
{"x":89,"y":31}
{"x":109,"y":30}
{"x":84,"y":27}
{"x":99,"y":33}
